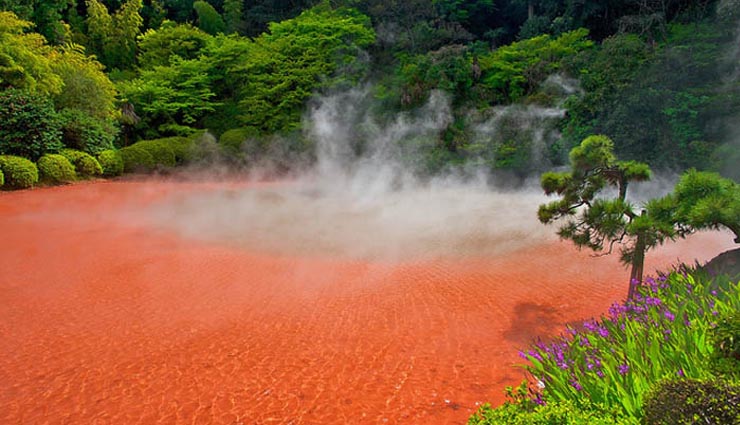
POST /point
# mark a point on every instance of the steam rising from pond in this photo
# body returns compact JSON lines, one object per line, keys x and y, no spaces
{"x":362,"y":200}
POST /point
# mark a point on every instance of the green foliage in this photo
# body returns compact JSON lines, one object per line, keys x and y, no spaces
{"x":160,"y":150}
{"x":19,"y":173}
{"x":554,"y":413}
{"x":111,"y":162}
{"x":233,"y":16}
{"x":136,"y":159}
{"x":2,"y":178}
{"x":84,"y":164}
{"x":149,"y":154}
{"x":182,"y":148}
{"x":691,"y":401}
{"x":113,"y":37}
{"x":47,"y":15}
{"x":99,"y":27}
{"x":24,"y":58}
{"x":287,"y":64}
{"x":726,"y":336}
{"x":170,"y":98}
{"x":705,"y":200}
{"x":208,"y":19}
{"x":54,"y":168}
{"x":86,"y":87}
{"x":159,"y":47}
{"x":449,"y":69}
{"x":513,"y":71}
{"x":232,"y":141}
{"x":667,"y":104}
{"x":30,"y":127}
{"x":87,"y":133}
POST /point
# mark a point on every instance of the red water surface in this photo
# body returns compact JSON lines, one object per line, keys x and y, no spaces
{"x":109,"y":321}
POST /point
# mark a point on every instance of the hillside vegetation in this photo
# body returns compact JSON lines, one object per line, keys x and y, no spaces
{"x":525,"y":80}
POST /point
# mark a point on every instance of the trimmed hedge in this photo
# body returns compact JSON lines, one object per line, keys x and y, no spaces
{"x":233,"y":140}
{"x":2,"y":178}
{"x":691,"y":401}
{"x":19,"y":172}
{"x":111,"y":162}
{"x":136,"y":158}
{"x":55,"y":168}
{"x":160,"y":150}
{"x":85,"y":165}
{"x":183,"y":147}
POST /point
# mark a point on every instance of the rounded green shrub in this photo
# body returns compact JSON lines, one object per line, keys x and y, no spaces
{"x":29,"y":126}
{"x":159,"y":150}
{"x":691,"y":401}
{"x":19,"y":172}
{"x":2,"y":178}
{"x":233,"y":140}
{"x":136,"y":158}
{"x":111,"y":162}
{"x":55,"y":168}
{"x":184,"y":149}
{"x":85,"y":165}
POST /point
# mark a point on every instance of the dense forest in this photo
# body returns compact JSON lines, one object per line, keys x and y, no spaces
{"x":525,"y":80}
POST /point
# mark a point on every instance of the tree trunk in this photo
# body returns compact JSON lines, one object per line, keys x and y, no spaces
{"x":638,"y":261}
{"x":530,"y":9}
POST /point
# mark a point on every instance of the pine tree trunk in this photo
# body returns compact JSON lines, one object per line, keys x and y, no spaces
{"x":638,"y":261}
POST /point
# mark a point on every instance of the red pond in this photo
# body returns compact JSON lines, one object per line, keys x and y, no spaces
{"x":106,"y":320}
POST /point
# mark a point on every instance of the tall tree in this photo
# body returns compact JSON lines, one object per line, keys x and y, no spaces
{"x":208,"y":18}
{"x":127,"y":23}
{"x":113,"y":38}
{"x":47,"y":15}
{"x":593,"y":219}
{"x":99,"y":28}
{"x":233,"y":15}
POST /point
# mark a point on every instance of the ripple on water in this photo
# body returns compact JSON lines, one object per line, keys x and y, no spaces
{"x":109,"y":316}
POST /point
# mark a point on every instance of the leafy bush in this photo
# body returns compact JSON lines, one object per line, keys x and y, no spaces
{"x":691,"y":401}
{"x":19,"y":172}
{"x":30,"y":127}
{"x":87,"y":133}
{"x":2,"y":178}
{"x":111,"y":162}
{"x":180,"y":147}
{"x":233,"y":140}
{"x":85,"y":165}
{"x":136,"y":158}
{"x":160,"y":151}
{"x":55,"y":168}
{"x":556,"y":413}
{"x":183,"y":148}
{"x":520,"y":409}
{"x":726,"y":336}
